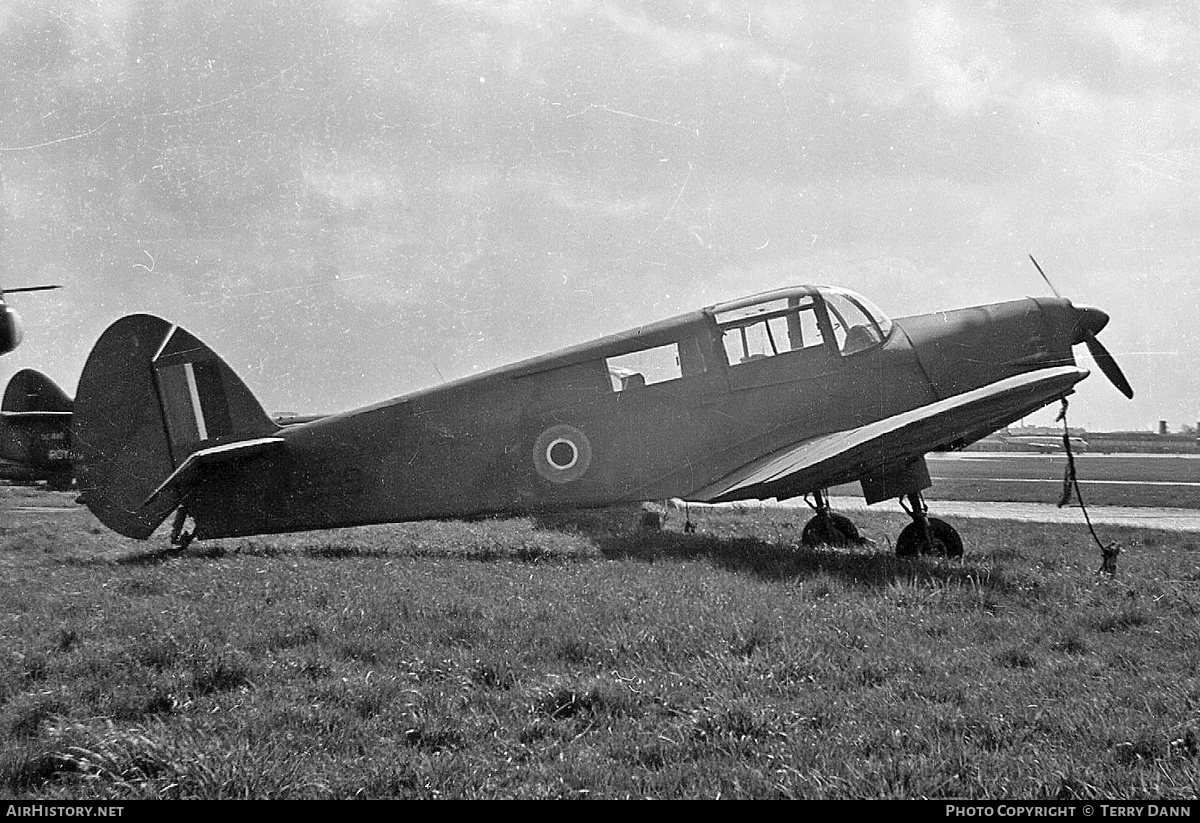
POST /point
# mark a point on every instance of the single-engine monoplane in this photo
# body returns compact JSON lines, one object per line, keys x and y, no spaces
{"x":777,"y":395}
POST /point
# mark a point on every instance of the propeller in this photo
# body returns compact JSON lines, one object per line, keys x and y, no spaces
{"x":1091,"y":321}
{"x":28,"y":288}
{"x":1107,"y":363}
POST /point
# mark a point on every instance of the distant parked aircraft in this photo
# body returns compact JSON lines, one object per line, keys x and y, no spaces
{"x":1042,"y":442}
{"x":35,"y":431}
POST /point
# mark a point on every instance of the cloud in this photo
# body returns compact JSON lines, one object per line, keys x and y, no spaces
{"x":456,"y":184}
{"x":1151,"y":38}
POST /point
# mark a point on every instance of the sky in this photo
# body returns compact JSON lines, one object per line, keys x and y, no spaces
{"x":349,"y":201}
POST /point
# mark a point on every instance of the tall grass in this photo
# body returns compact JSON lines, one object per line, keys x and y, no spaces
{"x":576,"y":657}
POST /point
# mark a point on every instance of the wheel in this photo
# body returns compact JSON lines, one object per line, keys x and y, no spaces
{"x":944,"y":540}
{"x":830,"y":529}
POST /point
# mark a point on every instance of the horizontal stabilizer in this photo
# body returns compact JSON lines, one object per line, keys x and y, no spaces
{"x":17,"y":416}
{"x":187,"y":473}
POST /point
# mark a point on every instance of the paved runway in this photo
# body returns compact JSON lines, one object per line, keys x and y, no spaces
{"x":1147,"y":518}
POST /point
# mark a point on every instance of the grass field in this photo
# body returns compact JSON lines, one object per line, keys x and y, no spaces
{"x":576,"y":658}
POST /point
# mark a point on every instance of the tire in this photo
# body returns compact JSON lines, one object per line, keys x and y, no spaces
{"x":944,"y":540}
{"x":830,"y":530}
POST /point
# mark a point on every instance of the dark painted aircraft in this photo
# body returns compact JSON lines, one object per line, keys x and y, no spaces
{"x":35,"y":431}
{"x":11,"y":331}
{"x":778,"y":395}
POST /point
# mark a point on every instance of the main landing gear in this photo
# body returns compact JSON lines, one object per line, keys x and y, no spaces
{"x":826,"y":528}
{"x":926,"y":535}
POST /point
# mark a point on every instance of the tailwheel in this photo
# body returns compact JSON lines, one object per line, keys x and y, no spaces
{"x":927,"y":535}
{"x":181,"y":539}
{"x":827,"y":528}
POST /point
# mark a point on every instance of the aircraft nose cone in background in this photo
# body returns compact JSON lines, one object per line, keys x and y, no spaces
{"x":10,"y":322}
{"x":10,"y":329}
{"x":1088,"y":323}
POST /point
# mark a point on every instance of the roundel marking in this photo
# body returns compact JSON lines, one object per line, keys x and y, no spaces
{"x":562,"y":453}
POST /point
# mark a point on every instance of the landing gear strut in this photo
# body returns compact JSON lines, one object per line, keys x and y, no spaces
{"x":926,"y":535}
{"x":826,"y":528}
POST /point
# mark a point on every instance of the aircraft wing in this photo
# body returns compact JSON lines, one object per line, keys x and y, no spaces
{"x":849,"y":455}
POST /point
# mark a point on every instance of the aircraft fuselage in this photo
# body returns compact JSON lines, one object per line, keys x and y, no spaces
{"x":557,"y":432}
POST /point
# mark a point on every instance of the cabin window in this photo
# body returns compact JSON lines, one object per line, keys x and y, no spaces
{"x":770,"y":328}
{"x":638,"y":369}
{"x":857,"y":325}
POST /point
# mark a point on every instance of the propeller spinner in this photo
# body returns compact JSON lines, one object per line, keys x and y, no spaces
{"x":1091,"y":321}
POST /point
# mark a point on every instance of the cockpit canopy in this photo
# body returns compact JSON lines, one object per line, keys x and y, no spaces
{"x":794,"y":319}
{"x":819,"y":321}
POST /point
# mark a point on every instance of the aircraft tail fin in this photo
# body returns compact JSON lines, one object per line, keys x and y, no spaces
{"x":149,"y":397}
{"x":32,"y":391}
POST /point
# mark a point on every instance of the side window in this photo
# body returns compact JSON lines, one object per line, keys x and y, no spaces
{"x":637,"y":369}
{"x":853,"y":328}
{"x":808,"y":331}
{"x":769,"y":329}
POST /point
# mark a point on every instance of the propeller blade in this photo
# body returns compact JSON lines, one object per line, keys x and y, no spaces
{"x":28,"y":288}
{"x":1107,"y":364}
{"x":1044,"y":277}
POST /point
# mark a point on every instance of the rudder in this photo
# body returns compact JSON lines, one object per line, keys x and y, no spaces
{"x":150,"y":395}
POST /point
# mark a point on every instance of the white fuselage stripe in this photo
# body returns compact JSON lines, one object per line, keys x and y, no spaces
{"x":194,"y":394}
